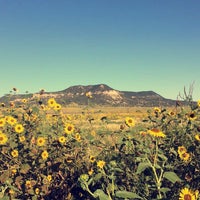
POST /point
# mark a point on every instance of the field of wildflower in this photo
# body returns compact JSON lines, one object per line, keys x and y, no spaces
{"x":47,"y":153}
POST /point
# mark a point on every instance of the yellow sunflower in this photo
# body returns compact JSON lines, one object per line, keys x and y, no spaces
{"x":28,"y":184}
{"x":156,"y":133}
{"x":22,"y":138}
{"x":130,"y":121}
{"x":101,"y":164}
{"x":24,"y":100}
{"x":90,"y":171}
{"x":37,"y":191}
{"x":11,"y":120}
{"x":171,"y":113}
{"x":19,"y":128}
{"x":40,"y":141}
{"x":77,"y":137}
{"x":181,"y":150}
{"x":184,"y":156}
{"x":198,"y":103}
{"x":157,"y":110}
{"x":57,"y":106}
{"x":69,"y":128}
{"x":3,"y":105}
{"x":14,"y":171}
{"x":62,"y":139}
{"x":2,"y":122}
{"x":3,"y":138}
{"x":51,"y":102}
{"x":49,"y":178}
{"x":192,"y":116}
{"x":15,"y":153}
{"x":187,"y":194}
{"x":92,"y":159}
{"x":197,"y":137}
{"x":44,"y":155}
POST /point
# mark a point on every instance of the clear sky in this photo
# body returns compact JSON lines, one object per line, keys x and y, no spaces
{"x":130,"y":45}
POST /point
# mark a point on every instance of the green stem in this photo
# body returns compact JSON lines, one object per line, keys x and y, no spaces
{"x":158,"y":178}
{"x":89,"y":191}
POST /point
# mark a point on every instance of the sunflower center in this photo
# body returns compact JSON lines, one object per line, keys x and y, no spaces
{"x":187,"y":197}
{"x":155,"y":130}
{"x":69,"y":128}
{"x":192,"y":115}
{"x":1,"y":138}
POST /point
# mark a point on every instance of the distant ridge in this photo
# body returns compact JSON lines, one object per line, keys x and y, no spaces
{"x":102,"y":94}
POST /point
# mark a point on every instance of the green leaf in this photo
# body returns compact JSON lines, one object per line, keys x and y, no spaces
{"x":25,"y":168}
{"x":126,"y":194}
{"x":171,"y":176}
{"x":97,"y":176}
{"x":142,"y":166}
{"x":100,"y":193}
{"x":162,"y":156}
{"x":165,"y":189}
{"x":5,"y":198}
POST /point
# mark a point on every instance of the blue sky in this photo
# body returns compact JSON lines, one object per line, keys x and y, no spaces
{"x":130,"y":45}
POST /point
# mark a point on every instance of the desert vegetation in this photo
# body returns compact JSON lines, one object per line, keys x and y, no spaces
{"x":53,"y":152}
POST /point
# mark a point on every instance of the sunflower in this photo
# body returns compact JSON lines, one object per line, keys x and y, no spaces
{"x":15,"y":153}
{"x":129,"y":121}
{"x":92,"y":159}
{"x":19,"y":128}
{"x":143,"y":133}
{"x":12,"y":104}
{"x":192,"y":116}
{"x":184,"y":156}
{"x":51,"y":102}
{"x":77,"y":137}
{"x":24,"y":100}
{"x":3,"y":138}
{"x":62,"y":139}
{"x":69,"y":128}
{"x":44,"y":155}
{"x":197,"y":137}
{"x":90,"y":171}
{"x":2,"y":122}
{"x":187,"y":194}
{"x":157,"y":110}
{"x":84,"y":177}
{"x":37,"y":191}
{"x":101,"y":164}
{"x":28,"y":184}
{"x":156,"y":133}
{"x":40,"y":141}
{"x":181,"y":150}
{"x":22,"y":138}
{"x":198,"y":103}
{"x":11,"y":120}
{"x":49,"y":178}
{"x":57,"y":106}
{"x":3,"y":105}
{"x":171,"y":113}
{"x":13,"y":171}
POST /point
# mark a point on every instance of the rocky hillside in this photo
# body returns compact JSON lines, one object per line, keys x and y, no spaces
{"x":101,"y":95}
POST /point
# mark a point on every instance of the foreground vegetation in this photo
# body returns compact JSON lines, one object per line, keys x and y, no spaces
{"x":50,"y":153}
